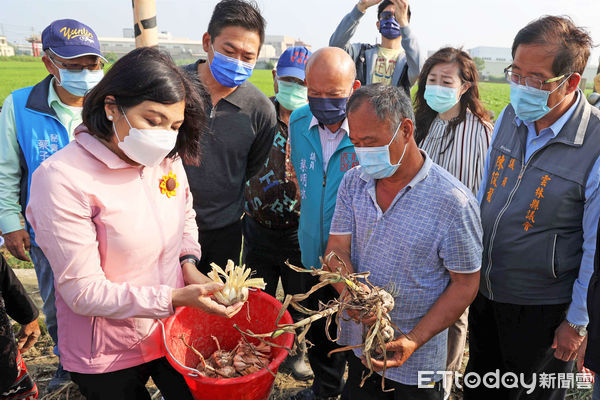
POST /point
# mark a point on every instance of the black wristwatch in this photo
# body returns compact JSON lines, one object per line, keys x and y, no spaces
{"x":189,"y":258}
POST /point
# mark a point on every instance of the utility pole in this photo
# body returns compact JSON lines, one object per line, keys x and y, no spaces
{"x":144,"y":23}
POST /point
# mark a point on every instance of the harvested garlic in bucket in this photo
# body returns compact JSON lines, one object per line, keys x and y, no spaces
{"x":237,"y":281}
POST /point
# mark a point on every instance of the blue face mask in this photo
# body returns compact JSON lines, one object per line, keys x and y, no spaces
{"x":441,"y":98}
{"x":375,"y":161}
{"x":78,"y":83}
{"x":531,"y":104}
{"x":328,"y":110}
{"x":389,"y":27}
{"x":229,"y":72}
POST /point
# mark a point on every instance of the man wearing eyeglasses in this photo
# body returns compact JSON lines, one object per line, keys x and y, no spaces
{"x":35,"y":123}
{"x":397,"y":60}
{"x":539,"y":209}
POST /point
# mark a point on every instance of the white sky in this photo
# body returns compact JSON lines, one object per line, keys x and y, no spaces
{"x":435,"y":23}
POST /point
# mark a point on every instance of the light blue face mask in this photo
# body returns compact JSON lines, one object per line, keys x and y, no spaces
{"x":375,"y":161}
{"x":78,"y":83}
{"x":531,"y":104}
{"x":291,"y":95}
{"x":441,"y":98}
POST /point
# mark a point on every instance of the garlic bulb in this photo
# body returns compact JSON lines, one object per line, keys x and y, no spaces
{"x":236,"y":282}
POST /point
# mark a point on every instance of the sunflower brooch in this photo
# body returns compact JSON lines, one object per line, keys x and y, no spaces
{"x":168,"y":184}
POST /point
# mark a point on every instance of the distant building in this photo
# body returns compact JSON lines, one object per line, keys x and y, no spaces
{"x":186,"y":49}
{"x":498,"y":58}
{"x":178,"y":48}
{"x":5,"y":49}
{"x":282,"y":42}
{"x":268,"y":52}
{"x":274,"y":46}
{"x":23,"y":49}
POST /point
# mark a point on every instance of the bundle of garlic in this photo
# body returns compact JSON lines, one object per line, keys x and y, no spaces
{"x":363,"y":300}
{"x":237,"y":281}
{"x":244,"y":359}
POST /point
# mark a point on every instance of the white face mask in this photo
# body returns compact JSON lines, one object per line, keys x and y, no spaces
{"x":147,"y":146}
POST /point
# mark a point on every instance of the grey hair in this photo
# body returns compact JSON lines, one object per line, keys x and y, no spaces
{"x":391,"y":103}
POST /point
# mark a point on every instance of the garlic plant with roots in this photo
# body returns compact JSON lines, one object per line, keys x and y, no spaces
{"x":237,"y":281}
{"x":245,"y":359}
{"x":364,"y":300}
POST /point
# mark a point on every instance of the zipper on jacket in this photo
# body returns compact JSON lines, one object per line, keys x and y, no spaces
{"x":321,"y":213}
{"x":553,"y":254}
{"x":501,"y":213}
{"x":213,"y":113}
{"x":92,"y":344}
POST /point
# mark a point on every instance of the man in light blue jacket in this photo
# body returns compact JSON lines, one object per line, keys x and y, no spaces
{"x":36,"y":122}
{"x":397,"y":60}
{"x":321,"y":152}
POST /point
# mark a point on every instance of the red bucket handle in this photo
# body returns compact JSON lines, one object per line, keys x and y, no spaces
{"x":194,"y":372}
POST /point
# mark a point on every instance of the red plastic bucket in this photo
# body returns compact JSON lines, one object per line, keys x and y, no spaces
{"x":197,"y":327}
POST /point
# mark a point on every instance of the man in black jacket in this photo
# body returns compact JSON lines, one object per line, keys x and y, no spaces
{"x":242,"y":125}
{"x":15,"y":383}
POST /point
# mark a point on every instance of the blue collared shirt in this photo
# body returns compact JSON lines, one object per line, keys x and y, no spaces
{"x":431,"y":227}
{"x":577,"y":313}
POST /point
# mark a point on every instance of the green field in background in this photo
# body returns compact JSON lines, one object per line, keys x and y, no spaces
{"x":17,"y":74}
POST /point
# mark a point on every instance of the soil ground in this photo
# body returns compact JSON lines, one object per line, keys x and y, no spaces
{"x":41,"y":362}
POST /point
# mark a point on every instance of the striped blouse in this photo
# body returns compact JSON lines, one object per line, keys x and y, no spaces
{"x":465,"y":157}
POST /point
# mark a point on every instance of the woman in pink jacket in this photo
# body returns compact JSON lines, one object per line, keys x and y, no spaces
{"x":113,"y":213}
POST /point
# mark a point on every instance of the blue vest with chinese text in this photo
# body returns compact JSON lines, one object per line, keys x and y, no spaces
{"x":532,"y":211}
{"x":318,"y":188}
{"x":39,"y":133}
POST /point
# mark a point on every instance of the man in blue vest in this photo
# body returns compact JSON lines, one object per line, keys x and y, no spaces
{"x":35,"y":123}
{"x":539,"y":211}
{"x":321,"y":154}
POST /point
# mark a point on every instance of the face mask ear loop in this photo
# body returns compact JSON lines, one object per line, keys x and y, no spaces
{"x":213,"y":49}
{"x":395,"y":133}
{"x":115,"y":127}
{"x":125,"y":115}
{"x":402,"y":156}
{"x":558,"y":87}
{"x":59,"y":80}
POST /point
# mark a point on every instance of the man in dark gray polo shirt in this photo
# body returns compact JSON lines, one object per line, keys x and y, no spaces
{"x":242,"y":125}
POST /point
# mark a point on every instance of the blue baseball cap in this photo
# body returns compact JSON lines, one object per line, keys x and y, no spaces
{"x":293,"y":62}
{"x":68,"y":38}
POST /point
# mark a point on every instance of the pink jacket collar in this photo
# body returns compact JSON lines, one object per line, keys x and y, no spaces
{"x":98,"y":150}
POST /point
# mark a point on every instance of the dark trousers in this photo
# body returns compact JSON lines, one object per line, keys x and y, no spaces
{"x":220,"y":245}
{"x":371,"y":390}
{"x":266,"y":251}
{"x":130,"y":383}
{"x":514,"y":338}
{"x":329,"y":371}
